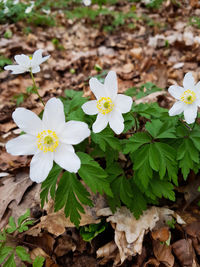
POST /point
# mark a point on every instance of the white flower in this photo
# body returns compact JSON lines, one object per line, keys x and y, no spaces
{"x":87,"y":2}
{"x":26,"y":63}
{"x":49,"y":139}
{"x":29,"y":8}
{"x":188,"y":98}
{"x":109,"y":105}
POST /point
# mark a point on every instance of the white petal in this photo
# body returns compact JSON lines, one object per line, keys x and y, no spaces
{"x":40,"y":166}
{"x":67,"y":159}
{"x":27,"y":121}
{"x":188,"y":81}
{"x":116,"y":121}
{"x":36,"y":69}
{"x":190,"y":113}
{"x":110,"y":84}
{"x":177,"y":108}
{"x":176,"y":91}
{"x":37,"y":58}
{"x":100,"y":123}
{"x":22,"y":145}
{"x":74,"y":132}
{"x":123,"y":103}
{"x":97,"y":88}
{"x":16,"y":69}
{"x":90,"y":107}
{"x":23,"y":60}
{"x":54,"y":117}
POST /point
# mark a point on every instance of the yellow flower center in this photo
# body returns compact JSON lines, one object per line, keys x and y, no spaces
{"x":47,"y":140}
{"x":30,"y":58}
{"x":105,"y":105}
{"x":188,"y":97}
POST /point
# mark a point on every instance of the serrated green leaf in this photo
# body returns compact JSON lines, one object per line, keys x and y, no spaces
{"x":12,"y":225}
{"x":93,"y":175}
{"x":38,"y":262}
{"x":161,"y":188}
{"x":23,"y":254}
{"x":50,"y":184}
{"x":10,"y":262}
{"x":92,"y":230}
{"x":187,"y":155}
{"x":24,"y":226}
{"x":106,"y":138}
{"x":4,"y":252}
{"x":72,"y":93}
{"x":23,"y":217}
{"x":135,"y":141}
{"x":159,"y":129}
{"x":71,"y":194}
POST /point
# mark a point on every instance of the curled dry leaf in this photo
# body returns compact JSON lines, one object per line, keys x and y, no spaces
{"x":129,"y":232}
{"x":152,"y":262}
{"x":64,"y":245}
{"x":161,"y":234}
{"x":108,"y":252}
{"x":184,"y":252}
{"x":163,"y":253}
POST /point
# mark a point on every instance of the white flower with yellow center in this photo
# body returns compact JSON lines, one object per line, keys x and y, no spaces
{"x":109,"y":105}
{"x":26,"y":63}
{"x":49,"y":139}
{"x":87,"y":2}
{"x":188,"y":98}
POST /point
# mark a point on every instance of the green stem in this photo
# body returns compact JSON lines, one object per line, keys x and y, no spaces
{"x":35,"y":88}
{"x":136,"y":125}
{"x":186,"y":125}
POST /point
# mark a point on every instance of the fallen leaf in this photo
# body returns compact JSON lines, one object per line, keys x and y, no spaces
{"x":163,"y":253}
{"x":161,"y":234}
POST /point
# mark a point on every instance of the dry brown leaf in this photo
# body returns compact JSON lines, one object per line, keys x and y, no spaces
{"x":64,"y":245}
{"x":163,"y":253}
{"x":13,"y":189}
{"x":152,"y":262}
{"x":108,"y":252}
{"x":161,"y":234}
{"x":184,"y":252}
{"x":129,"y":232}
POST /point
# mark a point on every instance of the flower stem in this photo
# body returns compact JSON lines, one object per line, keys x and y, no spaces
{"x":35,"y":88}
{"x":186,"y":125}
{"x":136,"y":125}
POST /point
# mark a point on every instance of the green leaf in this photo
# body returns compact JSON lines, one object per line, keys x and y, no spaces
{"x":24,"y":226}
{"x":38,"y":262}
{"x":105,"y":139}
{"x":90,"y":231}
{"x":136,"y":141}
{"x":187,"y":155}
{"x":24,"y":217}
{"x":50,"y":184}
{"x":4,"y":252}
{"x":12,"y":225}
{"x":3,"y":235}
{"x":10,"y":262}
{"x":23,"y":254}
{"x":159,"y":129}
{"x":161,"y":188}
{"x":93,"y":175}
{"x":72,"y":93}
{"x":71,"y":194}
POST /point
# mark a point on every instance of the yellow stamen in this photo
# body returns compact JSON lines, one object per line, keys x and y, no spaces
{"x":47,"y":141}
{"x":30,"y":58}
{"x":105,"y":105}
{"x":188,"y":97}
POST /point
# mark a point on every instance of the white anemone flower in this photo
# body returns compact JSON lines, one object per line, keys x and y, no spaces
{"x":49,"y":139}
{"x":87,"y":2}
{"x":188,"y":98}
{"x":29,"y":8}
{"x":109,"y":105}
{"x":26,"y":63}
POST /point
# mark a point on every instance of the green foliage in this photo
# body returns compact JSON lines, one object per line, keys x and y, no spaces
{"x":71,"y":195}
{"x":4,"y":61}
{"x":90,"y":231}
{"x":155,"y":4}
{"x":38,"y":262}
{"x":8,"y":253}
{"x":195,"y":21}
{"x":143,"y":90}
